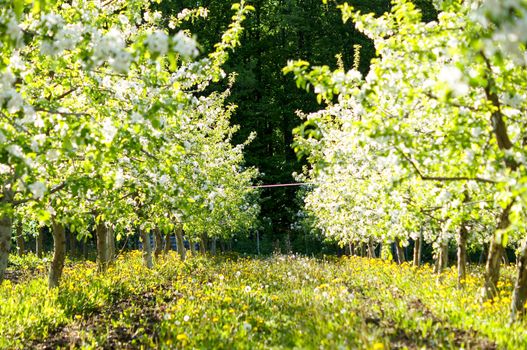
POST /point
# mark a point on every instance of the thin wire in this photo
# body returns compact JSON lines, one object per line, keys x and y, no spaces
{"x":282,"y":185}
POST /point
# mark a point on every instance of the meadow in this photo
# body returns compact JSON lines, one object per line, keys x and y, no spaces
{"x":236,"y":302}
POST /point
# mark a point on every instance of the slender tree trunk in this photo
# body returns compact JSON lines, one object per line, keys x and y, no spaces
{"x":110,"y":243}
{"x":59,"y":254}
{"x":147,"y":248}
{"x":492,"y":269}
{"x":192,"y":247}
{"x":371,"y":249}
{"x":101,"y":232}
{"x":444,"y":257}
{"x":258,"y":242}
{"x":519,"y":296}
{"x":400,"y":251}
{"x":21,"y":246}
{"x":203,"y":245}
{"x":167,"y":243}
{"x":85,"y":248}
{"x":213,"y":246}
{"x":6,"y":224}
{"x":159,"y":243}
{"x":462,"y":255}
{"x":288,"y":245}
{"x":39,"y":249}
{"x":442,"y":260}
{"x":180,"y":243}
{"x":418,"y":246}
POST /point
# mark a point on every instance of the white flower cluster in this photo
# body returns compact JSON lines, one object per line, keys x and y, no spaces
{"x":185,"y":46}
{"x":8,"y":95}
{"x":157,"y":42}
{"x":111,"y":47}
{"x":509,"y":31}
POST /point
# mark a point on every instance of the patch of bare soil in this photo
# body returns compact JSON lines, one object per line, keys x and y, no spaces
{"x":126,"y":324}
{"x":444,"y":337}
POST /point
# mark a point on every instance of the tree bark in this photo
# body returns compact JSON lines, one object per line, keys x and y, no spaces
{"x":371,"y":249}
{"x":39,"y":249}
{"x":442,"y":260}
{"x":203,"y":245}
{"x":59,"y":254}
{"x":147,"y":248}
{"x":21,"y":246}
{"x":418,"y":246}
{"x":400,"y":251}
{"x":167,"y":243}
{"x":101,"y":232}
{"x":159,"y":243}
{"x":180,"y":243}
{"x":85,"y":248}
{"x":213,"y":246}
{"x":6,"y":224}
{"x":192,"y":247}
{"x":110,"y":243}
{"x":462,"y":255}
{"x":492,"y":269}
{"x":519,"y":295}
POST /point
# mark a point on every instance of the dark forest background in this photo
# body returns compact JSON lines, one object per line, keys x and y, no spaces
{"x":278,"y":31}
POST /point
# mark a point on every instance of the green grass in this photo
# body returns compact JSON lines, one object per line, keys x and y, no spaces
{"x":244,"y":303}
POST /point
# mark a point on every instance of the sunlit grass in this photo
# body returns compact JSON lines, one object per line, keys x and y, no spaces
{"x":245,"y":303}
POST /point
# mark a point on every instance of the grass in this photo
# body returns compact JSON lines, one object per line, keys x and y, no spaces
{"x":244,"y":303}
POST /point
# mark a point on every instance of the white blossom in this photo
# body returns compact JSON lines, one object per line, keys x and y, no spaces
{"x":37,"y":189}
{"x":185,"y":46}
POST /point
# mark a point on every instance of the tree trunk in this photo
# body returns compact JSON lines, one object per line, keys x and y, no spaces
{"x":213,"y":246}
{"x":371,"y":249}
{"x":418,"y":246}
{"x":400,"y":251}
{"x":39,"y":249}
{"x":462,"y":255}
{"x":110,"y":243}
{"x":519,"y":296}
{"x":442,"y":260}
{"x":59,"y":254}
{"x":257,"y":242}
{"x":159,"y":243}
{"x":492,"y":269}
{"x":180,"y":243}
{"x":192,"y":247}
{"x":6,"y":224}
{"x":167,"y":243}
{"x":85,"y":248}
{"x":203,"y":245}
{"x":101,"y":232}
{"x":147,"y":248}
{"x":21,"y":246}
{"x":288,"y":245}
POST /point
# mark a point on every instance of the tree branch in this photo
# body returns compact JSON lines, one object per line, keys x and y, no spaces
{"x":443,"y":178}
